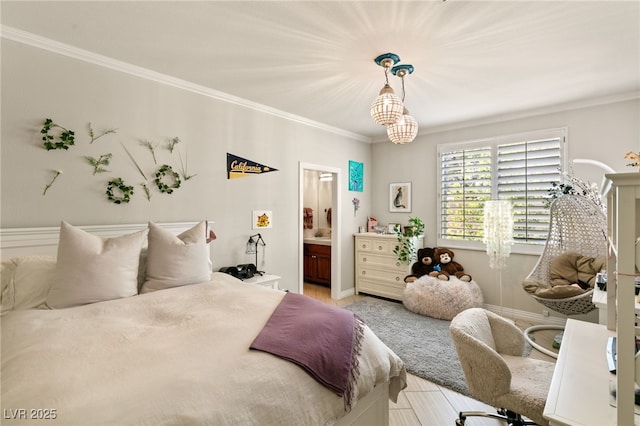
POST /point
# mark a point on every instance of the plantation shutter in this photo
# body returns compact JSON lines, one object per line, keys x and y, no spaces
{"x":525,"y":171}
{"x":520,"y":168}
{"x":465,"y":185}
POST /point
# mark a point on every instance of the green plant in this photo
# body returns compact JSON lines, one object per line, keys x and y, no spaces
{"x":94,"y":137}
{"x":99,"y":163}
{"x":151,"y":147}
{"x":165,"y":171}
{"x":117,"y":185}
{"x":63,"y":140}
{"x":55,"y":176}
{"x":406,"y":250}
{"x":172,"y":143}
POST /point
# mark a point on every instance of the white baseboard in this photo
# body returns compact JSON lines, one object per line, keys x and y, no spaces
{"x":525,"y":315}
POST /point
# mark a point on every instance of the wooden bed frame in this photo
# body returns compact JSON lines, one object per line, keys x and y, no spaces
{"x":373,"y":409}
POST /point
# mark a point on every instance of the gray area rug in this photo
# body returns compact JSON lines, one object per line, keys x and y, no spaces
{"x":423,"y":343}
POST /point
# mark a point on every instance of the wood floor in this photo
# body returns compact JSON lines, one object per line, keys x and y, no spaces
{"x":424,"y":403}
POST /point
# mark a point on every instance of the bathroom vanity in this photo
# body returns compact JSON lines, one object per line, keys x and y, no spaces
{"x":317,"y":260}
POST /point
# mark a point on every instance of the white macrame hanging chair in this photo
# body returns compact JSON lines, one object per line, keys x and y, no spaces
{"x":577,"y":224}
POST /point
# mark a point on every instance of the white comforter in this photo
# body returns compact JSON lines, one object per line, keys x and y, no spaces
{"x":178,"y":356}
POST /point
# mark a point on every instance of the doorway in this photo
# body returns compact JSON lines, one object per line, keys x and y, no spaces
{"x":334,"y":219}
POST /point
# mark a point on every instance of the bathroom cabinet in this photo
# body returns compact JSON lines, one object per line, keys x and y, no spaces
{"x":378,"y":270}
{"x":317,"y":263}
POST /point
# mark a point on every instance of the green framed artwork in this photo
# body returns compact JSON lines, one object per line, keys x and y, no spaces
{"x":356,"y":176}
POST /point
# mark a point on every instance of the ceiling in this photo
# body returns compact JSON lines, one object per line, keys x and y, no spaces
{"x":474,"y":60}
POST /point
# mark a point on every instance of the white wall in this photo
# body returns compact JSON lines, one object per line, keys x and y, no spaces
{"x":37,"y":84}
{"x":603,"y":133}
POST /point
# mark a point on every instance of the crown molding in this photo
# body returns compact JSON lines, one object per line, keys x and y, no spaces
{"x":551,"y":109}
{"x":53,"y":46}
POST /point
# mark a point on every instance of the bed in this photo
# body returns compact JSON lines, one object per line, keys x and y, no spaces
{"x":176,"y":354}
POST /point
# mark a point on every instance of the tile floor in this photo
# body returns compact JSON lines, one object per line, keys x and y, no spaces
{"x":423,"y":403}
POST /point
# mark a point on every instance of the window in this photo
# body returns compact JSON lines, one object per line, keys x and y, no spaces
{"x":520,"y":168}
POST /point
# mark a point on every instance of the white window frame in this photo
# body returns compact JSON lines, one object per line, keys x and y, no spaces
{"x":494,"y":142}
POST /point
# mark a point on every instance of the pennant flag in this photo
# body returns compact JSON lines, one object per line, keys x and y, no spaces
{"x":238,"y":167}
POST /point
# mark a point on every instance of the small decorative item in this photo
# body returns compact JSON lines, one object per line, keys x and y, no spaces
{"x":393,"y":228}
{"x":100,"y":163}
{"x":356,"y":179}
{"x":634,"y":157}
{"x":400,"y":197}
{"x":63,"y":140}
{"x":125,"y":191}
{"x":356,"y":205}
{"x":55,"y":176}
{"x":165,"y":171}
{"x":372,"y":224}
{"x":262,"y":219}
{"x":95,"y":138}
{"x":151,"y":147}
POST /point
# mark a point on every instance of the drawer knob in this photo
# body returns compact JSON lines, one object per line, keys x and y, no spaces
{"x":397,"y":278}
{"x":364,"y":246}
{"x":397,"y":263}
{"x":364,"y":272}
{"x":364,"y":259}
{"x":379,"y":247}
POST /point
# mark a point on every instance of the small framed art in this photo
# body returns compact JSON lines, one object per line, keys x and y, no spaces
{"x":262,"y":219}
{"x":356,"y":176}
{"x":400,"y":197}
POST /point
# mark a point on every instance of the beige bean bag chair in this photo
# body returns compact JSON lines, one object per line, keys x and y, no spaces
{"x":440,"y":299}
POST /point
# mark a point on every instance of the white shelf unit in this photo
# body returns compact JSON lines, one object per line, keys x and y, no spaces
{"x":623,"y":216}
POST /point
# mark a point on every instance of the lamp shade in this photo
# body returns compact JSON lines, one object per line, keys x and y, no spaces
{"x":404,"y":130}
{"x":498,"y":231}
{"x":387,"y":107}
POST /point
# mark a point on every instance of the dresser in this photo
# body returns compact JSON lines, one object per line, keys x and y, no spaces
{"x":378,"y":270}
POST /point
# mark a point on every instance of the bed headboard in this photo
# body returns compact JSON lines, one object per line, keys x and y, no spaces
{"x":43,"y":241}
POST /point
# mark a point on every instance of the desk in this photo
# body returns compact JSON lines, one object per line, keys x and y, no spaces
{"x":579,"y":392}
{"x":266,"y":280}
{"x":600,"y":300}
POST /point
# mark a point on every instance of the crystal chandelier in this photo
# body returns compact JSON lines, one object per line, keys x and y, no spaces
{"x":389,"y":110}
{"x":387,"y":107}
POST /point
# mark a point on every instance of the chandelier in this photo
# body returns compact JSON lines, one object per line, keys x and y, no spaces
{"x":389,"y":110}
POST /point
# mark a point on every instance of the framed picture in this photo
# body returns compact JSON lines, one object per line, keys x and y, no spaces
{"x":262,"y":219}
{"x":400,"y":197}
{"x":356,"y":176}
{"x":392,"y":227}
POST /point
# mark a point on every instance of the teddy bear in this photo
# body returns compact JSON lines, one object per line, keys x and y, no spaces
{"x":445,"y":266}
{"x":423,"y":266}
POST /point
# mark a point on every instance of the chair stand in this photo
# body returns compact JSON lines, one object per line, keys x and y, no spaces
{"x":512,"y":418}
{"x":536,"y":345}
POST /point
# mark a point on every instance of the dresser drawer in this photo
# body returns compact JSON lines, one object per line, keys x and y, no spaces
{"x":390,"y":277}
{"x":380,"y":289}
{"x":367,"y":259}
{"x":375,"y":246}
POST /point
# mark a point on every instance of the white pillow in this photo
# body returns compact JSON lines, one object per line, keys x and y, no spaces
{"x":92,"y":269}
{"x":25,"y":282}
{"x":174,"y":261}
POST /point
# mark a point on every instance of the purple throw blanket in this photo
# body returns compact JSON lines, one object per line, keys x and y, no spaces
{"x":322,"y":339}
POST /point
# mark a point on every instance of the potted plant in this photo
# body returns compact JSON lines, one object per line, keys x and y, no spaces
{"x":406,"y":250}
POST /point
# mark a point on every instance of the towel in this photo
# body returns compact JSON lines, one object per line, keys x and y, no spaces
{"x":308,"y":218}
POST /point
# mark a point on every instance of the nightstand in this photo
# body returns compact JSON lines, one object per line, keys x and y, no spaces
{"x":266,"y":280}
